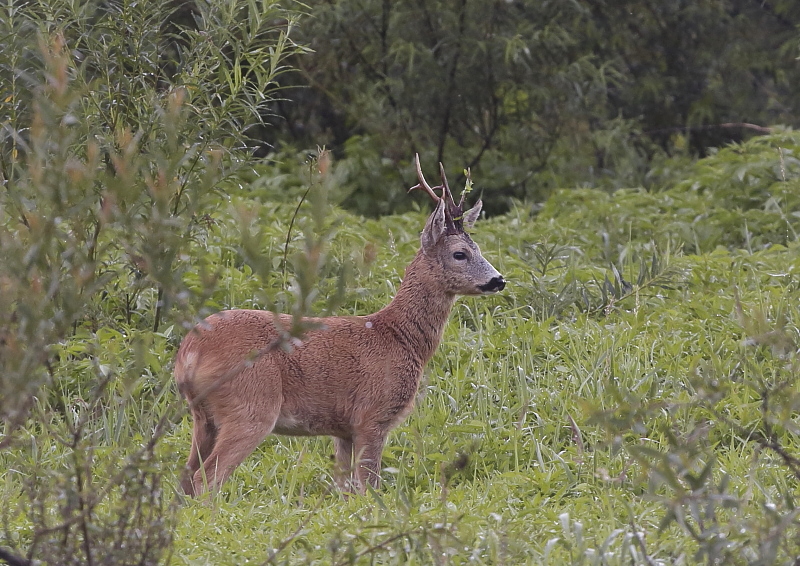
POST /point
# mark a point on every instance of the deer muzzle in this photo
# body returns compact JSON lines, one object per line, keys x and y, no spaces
{"x":494,"y":285}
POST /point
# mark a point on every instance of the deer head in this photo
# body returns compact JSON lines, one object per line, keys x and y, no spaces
{"x":444,"y":242}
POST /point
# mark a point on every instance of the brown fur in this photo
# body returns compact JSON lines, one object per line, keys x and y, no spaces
{"x":353,"y":378}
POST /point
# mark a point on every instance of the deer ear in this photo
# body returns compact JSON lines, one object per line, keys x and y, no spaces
{"x":472,"y":214}
{"x":434,"y":227}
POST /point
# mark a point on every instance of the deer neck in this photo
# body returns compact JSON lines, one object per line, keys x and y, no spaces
{"x":418,"y":313}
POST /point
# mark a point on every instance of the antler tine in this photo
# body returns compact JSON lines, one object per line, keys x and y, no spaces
{"x":423,"y":184}
{"x":446,"y":188}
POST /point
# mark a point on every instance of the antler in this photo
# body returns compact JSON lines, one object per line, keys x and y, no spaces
{"x":446,"y":194}
{"x":449,"y":194}
{"x":423,"y":184}
{"x":453,"y":212}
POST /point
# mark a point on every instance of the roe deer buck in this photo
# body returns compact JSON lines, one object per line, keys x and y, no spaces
{"x":351,"y":377}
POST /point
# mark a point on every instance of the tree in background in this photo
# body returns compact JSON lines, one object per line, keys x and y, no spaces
{"x":711,"y":70}
{"x":533,"y":94}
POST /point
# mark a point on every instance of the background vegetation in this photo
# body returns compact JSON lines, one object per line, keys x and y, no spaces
{"x":630,"y":398}
{"x":535,"y":95}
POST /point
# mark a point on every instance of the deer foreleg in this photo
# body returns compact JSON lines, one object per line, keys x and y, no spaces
{"x":368,"y":450}
{"x":343,"y":474}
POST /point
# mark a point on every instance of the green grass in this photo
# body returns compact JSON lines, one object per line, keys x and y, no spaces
{"x":563,"y":421}
{"x":503,"y":390}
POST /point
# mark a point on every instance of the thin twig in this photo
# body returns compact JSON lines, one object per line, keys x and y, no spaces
{"x":93,"y":499}
{"x":13,"y":559}
{"x":186,"y":177}
{"x":576,"y":437}
{"x":725,"y":126}
{"x":289,"y":232}
{"x":639,"y":539}
{"x":378,"y":546}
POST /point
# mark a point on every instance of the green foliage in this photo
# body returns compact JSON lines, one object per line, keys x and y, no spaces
{"x":535,"y":96}
{"x":743,"y":196}
{"x":119,"y":126}
{"x":695,"y":65}
{"x":622,"y":435}
{"x":630,"y":398}
{"x":498,"y":84}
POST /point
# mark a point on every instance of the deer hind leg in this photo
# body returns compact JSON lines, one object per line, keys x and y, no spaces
{"x":368,"y":449}
{"x":235,"y":442}
{"x":242,"y":421}
{"x":204,"y":435}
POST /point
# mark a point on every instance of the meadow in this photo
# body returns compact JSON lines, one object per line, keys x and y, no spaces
{"x":629,"y":398}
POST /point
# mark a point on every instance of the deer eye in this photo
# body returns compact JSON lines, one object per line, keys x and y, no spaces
{"x":460,"y":256}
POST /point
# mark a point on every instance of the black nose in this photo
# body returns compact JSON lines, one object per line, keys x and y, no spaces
{"x":495,"y":284}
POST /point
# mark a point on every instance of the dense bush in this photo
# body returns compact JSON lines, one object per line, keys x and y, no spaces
{"x":742,"y":196}
{"x":532,"y":95}
{"x":119,"y":128}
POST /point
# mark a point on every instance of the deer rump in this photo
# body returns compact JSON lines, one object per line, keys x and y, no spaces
{"x":352,"y":378}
